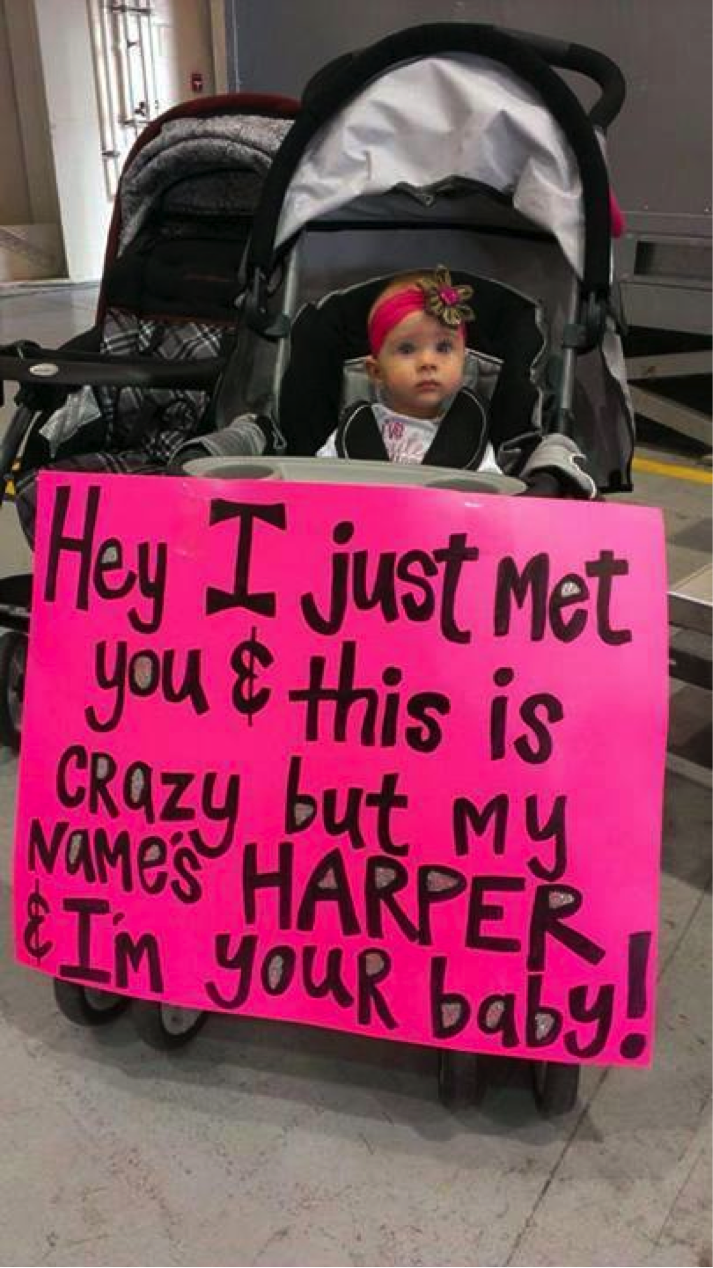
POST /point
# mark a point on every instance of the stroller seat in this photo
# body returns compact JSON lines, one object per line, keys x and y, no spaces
{"x":507,"y":359}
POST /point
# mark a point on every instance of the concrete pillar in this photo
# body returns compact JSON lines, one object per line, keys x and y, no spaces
{"x":65,"y":55}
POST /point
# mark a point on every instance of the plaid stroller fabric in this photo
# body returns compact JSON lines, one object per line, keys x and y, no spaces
{"x":142,"y":427}
{"x":154,"y":421}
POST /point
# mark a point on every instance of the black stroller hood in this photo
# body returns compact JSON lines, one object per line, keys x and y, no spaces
{"x":198,"y":136}
{"x":528,"y":58}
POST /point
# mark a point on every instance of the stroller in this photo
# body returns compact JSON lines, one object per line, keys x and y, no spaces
{"x":502,"y":172}
{"x":453,"y":141}
{"x":151,"y":371}
{"x":459,"y":141}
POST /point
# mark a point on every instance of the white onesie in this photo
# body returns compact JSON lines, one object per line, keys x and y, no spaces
{"x":407,"y":439}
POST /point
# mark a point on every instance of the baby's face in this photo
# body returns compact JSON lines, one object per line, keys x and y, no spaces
{"x":420,"y":364}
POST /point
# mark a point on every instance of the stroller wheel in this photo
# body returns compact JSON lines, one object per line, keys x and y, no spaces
{"x":462,"y":1078}
{"x":555,"y":1085}
{"x":166,"y":1026}
{"x":13,"y":658}
{"x":86,"y":1006}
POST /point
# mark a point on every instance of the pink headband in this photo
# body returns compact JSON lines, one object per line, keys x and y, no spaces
{"x":440,"y":299}
{"x":391,"y":311}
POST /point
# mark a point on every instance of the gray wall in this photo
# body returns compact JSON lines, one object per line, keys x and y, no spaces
{"x":660,"y":148}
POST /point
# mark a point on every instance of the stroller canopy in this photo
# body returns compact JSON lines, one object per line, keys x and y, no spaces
{"x":203,"y":159}
{"x":210,"y":166}
{"x":454,"y":116}
{"x":206,"y":157}
{"x":447,"y":102}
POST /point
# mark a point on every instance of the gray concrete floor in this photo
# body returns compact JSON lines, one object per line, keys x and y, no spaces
{"x":267,"y":1144}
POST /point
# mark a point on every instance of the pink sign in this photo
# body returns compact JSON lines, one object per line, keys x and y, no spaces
{"x":387,"y":760}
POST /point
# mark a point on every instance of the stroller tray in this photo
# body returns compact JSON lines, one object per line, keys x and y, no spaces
{"x":334,"y":471}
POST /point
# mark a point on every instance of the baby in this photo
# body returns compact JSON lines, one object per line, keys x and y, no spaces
{"x":416,"y":330}
{"x":424,"y":411}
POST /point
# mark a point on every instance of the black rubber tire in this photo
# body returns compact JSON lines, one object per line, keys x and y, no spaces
{"x":79,"y":1003}
{"x":555,"y":1085}
{"x":462,"y":1078}
{"x":13,"y":659}
{"x":153,"y":1024}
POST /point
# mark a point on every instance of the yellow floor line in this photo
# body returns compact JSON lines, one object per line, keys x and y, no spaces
{"x":671,"y":469}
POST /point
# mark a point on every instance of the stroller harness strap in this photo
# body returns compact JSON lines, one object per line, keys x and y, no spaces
{"x":460,"y":441}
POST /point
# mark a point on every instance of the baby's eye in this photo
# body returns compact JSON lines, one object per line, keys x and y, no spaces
{"x":406,"y":348}
{"x":445,"y":346}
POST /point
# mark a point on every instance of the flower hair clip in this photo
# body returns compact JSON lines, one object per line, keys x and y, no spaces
{"x":445,"y":301}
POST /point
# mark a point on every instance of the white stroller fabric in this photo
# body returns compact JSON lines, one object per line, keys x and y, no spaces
{"x":435,"y":118}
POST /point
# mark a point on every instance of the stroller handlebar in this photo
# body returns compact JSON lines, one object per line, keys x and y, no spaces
{"x":43,"y":367}
{"x":585,"y":61}
{"x":52,"y":377}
